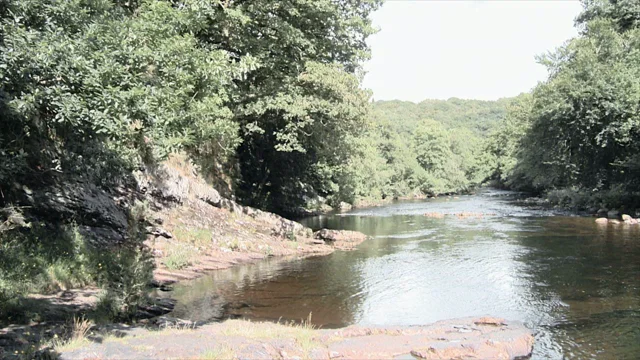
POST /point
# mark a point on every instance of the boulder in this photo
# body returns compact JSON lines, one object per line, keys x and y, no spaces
{"x":602,"y":212}
{"x":206,"y":193}
{"x":343,"y":239}
{"x":631,"y":221}
{"x":626,"y":217}
{"x":615,"y":222}
{"x":344,"y":206}
{"x":602,"y":221}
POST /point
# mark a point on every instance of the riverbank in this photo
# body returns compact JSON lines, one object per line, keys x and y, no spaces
{"x":190,"y":230}
{"x":239,"y":339}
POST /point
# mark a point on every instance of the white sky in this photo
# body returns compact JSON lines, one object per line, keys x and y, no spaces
{"x":428,"y":49}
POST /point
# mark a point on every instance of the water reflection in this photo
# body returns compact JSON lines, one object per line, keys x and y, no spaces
{"x":576,"y":284}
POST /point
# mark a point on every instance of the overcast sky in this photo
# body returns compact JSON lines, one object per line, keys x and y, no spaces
{"x":429,"y":49}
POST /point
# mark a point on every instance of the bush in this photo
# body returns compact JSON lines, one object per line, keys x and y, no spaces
{"x":44,"y":258}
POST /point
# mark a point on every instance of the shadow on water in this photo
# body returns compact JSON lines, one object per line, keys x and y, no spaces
{"x":575,"y":284}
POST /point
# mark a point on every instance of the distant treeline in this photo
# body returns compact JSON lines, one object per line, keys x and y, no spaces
{"x":433,"y":147}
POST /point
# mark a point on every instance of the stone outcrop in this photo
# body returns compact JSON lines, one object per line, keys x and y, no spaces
{"x":626,"y":220}
{"x":101,"y":216}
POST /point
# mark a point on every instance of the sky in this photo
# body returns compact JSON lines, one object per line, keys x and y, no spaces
{"x":428,"y":49}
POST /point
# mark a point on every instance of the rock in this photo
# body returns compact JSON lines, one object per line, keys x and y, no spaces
{"x":101,"y":236}
{"x":340,"y":238}
{"x":344,"y":206}
{"x":206,"y":193}
{"x":626,"y":217}
{"x":158,"y":308}
{"x":249,"y":211}
{"x":167,"y":184}
{"x":158,"y":231}
{"x":231,"y":205}
{"x":488,"y":320}
{"x":90,"y":205}
{"x":602,"y":212}
{"x":602,"y":221}
{"x":631,"y":221}
{"x":435,"y":215}
{"x":167,"y":321}
{"x":613,"y":214}
{"x":614,"y":222}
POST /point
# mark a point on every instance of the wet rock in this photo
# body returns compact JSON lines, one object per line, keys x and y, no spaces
{"x":602,"y":221}
{"x":631,"y":222}
{"x":626,"y":217}
{"x":615,"y":222}
{"x":340,"y":238}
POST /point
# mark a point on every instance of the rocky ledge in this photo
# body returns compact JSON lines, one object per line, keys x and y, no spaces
{"x":472,"y":338}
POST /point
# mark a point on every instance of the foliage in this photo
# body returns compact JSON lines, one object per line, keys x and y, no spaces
{"x":46,"y":258}
{"x":582,"y":129}
{"x":476,"y":115}
{"x":434,"y":147}
{"x":267,"y":91}
{"x":504,"y":142}
{"x":87,"y":86}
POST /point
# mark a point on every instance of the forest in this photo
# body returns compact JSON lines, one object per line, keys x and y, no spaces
{"x":266,"y":98}
{"x":575,"y":136}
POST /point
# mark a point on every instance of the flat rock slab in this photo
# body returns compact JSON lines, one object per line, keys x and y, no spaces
{"x":473,"y":338}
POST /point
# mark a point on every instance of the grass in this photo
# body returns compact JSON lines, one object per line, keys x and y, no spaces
{"x":303,"y":333}
{"x":179,"y":256}
{"x":196,"y":236}
{"x":78,"y":335}
{"x":234,"y":244}
{"x":221,"y":352}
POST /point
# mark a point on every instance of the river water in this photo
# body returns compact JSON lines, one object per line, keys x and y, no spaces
{"x":576,"y":284}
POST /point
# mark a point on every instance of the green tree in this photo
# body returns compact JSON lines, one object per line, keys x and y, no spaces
{"x":299,"y":109}
{"x":584,"y":127}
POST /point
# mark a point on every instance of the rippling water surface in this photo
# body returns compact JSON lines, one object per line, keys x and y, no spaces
{"x":575,"y":284}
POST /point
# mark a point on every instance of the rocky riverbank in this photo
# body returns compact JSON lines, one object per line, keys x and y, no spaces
{"x":481,"y":338}
{"x":190,"y":230}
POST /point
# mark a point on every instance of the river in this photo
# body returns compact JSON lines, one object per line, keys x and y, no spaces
{"x":576,"y":284}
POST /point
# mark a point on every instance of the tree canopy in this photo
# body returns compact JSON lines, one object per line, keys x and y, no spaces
{"x":580,"y":128}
